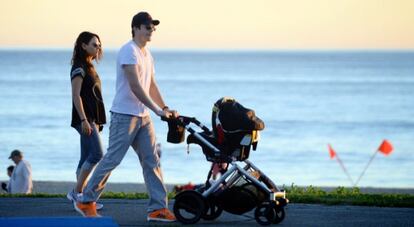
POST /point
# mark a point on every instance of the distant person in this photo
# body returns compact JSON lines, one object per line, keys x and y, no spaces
{"x":9,"y":173}
{"x":21,"y":177}
{"x":136,"y":93}
{"x":88,"y":111}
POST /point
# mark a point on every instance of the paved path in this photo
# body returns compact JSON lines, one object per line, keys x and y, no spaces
{"x":132,"y":213}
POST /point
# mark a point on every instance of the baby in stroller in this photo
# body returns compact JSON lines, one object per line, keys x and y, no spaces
{"x":229,"y":186}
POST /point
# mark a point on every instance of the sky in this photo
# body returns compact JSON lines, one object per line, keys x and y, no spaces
{"x":214,"y":24}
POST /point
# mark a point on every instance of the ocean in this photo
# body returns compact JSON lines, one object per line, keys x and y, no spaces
{"x":307,"y":99}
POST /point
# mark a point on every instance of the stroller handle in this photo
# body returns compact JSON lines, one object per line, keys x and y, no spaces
{"x":180,"y":120}
{"x":185,"y":121}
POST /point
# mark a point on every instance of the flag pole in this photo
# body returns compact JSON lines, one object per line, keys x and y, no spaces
{"x":333,"y":154}
{"x":344,"y":169}
{"x":366,"y":167}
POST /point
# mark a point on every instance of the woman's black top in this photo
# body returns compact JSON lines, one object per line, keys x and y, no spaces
{"x":91,"y":96}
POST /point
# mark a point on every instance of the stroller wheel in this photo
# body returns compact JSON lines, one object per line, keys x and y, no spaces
{"x":265,"y":214}
{"x":189,"y":206}
{"x":212,"y":210}
{"x":279,"y":214}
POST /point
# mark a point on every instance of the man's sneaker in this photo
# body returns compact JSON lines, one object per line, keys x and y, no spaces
{"x":76,"y":197}
{"x":163,"y":214}
{"x":87,"y":209}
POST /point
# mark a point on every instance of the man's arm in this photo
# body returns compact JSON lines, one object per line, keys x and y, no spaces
{"x":131,"y":72}
{"x":156,"y":96}
{"x":155,"y":93}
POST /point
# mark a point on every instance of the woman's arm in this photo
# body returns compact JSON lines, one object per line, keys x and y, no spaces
{"x":77,"y":101}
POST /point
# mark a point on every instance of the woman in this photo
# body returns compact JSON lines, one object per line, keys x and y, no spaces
{"x":88,"y":111}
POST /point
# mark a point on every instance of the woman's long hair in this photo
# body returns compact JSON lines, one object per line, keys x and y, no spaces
{"x":80,"y":56}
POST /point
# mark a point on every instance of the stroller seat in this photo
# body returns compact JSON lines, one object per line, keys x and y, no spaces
{"x":237,"y":146}
{"x":235,"y":131}
{"x":208,"y":152}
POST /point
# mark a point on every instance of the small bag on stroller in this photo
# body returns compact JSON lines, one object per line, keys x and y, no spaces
{"x":176,"y":132}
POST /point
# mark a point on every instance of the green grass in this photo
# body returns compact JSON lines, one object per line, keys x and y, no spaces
{"x":347,"y":196}
{"x":295,"y":194}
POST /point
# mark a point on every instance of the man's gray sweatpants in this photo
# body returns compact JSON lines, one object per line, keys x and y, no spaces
{"x":138,"y":132}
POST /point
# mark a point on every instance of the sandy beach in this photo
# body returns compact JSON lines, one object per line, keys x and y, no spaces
{"x":62,"y":187}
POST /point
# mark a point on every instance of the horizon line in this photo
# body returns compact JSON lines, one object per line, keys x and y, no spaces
{"x":157,"y":49}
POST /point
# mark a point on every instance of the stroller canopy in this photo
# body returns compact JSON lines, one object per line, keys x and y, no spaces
{"x":234,"y":117}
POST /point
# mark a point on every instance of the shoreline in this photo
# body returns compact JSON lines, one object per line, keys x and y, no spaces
{"x":63,"y":187}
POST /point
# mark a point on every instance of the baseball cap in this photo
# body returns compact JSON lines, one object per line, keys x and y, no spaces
{"x":143,"y":18}
{"x":15,"y":153}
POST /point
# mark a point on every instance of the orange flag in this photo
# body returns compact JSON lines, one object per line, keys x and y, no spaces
{"x":385,"y":147}
{"x":332,"y":152}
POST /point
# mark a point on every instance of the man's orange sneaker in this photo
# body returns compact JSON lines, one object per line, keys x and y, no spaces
{"x":87,"y":209}
{"x":163,"y":214}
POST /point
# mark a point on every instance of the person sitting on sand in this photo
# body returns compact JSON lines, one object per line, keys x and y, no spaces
{"x":9,"y":173}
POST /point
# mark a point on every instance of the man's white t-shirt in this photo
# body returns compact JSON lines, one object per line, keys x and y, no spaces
{"x":125,"y":102}
{"x":21,"y":179}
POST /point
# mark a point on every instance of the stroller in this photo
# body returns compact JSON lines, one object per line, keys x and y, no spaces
{"x":229,"y":186}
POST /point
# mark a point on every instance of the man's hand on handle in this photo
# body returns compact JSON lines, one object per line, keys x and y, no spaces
{"x":168,"y":113}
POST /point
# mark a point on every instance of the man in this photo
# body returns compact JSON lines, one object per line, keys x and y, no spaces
{"x":136,"y":93}
{"x":21,"y":178}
